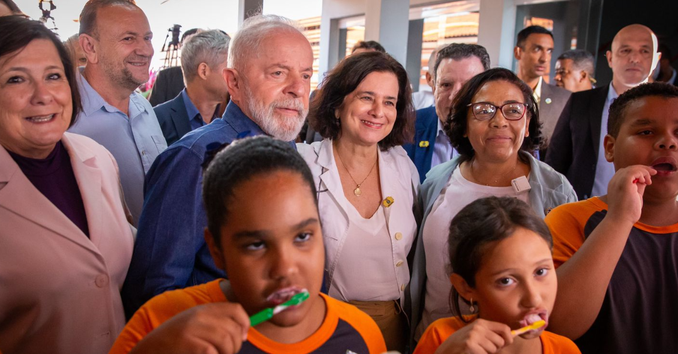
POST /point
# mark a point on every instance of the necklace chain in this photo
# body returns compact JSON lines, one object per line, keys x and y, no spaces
{"x":357,"y":190}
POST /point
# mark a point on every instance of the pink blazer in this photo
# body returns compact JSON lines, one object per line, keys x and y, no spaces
{"x":59,"y":290}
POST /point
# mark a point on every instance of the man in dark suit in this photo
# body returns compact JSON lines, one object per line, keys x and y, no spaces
{"x":170,"y":81}
{"x":577,"y":146}
{"x":533,"y":50}
{"x":204,"y":57}
{"x":454,"y":65}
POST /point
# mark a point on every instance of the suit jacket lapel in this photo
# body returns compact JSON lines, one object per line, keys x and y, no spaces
{"x":19,"y":196}
{"x":180,"y":117}
{"x":330,"y":174}
{"x":88,"y":176}
{"x":596,"y":106}
{"x":544,"y":108}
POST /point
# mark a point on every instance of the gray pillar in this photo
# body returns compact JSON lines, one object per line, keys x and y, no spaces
{"x":386,"y":22}
{"x":414,"y":39}
{"x":248,"y":8}
{"x":496,"y":29}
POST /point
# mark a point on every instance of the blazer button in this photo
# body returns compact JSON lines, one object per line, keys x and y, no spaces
{"x":398,"y":236}
{"x":399,"y":263}
{"x":101,"y":280}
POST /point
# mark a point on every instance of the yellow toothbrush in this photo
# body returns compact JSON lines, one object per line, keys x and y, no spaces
{"x":536,"y":325}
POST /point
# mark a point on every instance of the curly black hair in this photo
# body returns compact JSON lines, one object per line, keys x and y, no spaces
{"x":240,"y":162}
{"x":618,"y":107}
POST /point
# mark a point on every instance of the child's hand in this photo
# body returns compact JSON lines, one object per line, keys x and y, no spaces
{"x":625,"y":192}
{"x":211,"y":328}
{"x":479,"y":337}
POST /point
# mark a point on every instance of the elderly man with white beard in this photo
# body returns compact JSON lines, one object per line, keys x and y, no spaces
{"x":270,"y":67}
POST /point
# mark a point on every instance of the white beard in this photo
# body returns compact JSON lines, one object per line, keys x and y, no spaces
{"x":283,"y":128}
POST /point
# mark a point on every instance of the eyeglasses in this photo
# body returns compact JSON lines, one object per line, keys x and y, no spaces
{"x":485,"y":111}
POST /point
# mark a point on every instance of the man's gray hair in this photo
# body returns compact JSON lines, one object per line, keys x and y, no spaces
{"x":581,"y":60}
{"x":458,"y":51}
{"x":248,"y":39}
{"x":210,"y":47}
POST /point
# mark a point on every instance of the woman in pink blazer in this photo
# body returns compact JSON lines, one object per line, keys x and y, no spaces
{"x":65,"y":240}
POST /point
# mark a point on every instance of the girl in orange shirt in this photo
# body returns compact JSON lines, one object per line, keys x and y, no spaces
{"x":500,"y":253}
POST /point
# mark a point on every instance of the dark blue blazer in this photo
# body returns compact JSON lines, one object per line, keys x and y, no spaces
{"x":173,"y":119}
{"x":421,"y":151}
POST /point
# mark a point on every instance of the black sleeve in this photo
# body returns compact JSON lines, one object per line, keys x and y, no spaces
{"x":559,"y":153}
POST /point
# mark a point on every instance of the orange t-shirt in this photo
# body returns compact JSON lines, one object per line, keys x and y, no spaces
{"x":344,"y":327}
{"x":439,"y":330}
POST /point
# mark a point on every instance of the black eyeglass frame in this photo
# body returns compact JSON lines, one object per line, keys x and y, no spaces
{"x":497,"y":109}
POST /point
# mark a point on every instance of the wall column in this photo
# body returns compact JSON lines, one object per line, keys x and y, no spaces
{"x":496,"y":29}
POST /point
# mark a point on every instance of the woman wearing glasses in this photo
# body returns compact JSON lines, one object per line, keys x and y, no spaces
{"x":494,"y":125}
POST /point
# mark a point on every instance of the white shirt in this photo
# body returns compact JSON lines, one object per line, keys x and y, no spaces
{"x":370,"y":261}
{"x":458,"y":193}
{"x":604,"y":169}
{"x":340,"y":222}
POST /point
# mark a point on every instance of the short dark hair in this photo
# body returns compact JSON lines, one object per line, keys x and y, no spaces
{"x":457,"y":121}
{"x":581,"y":59}
{"x":239,"y":162}
{"x":88,"y":15}
{"x":374,"y":45}
{"x":344,"y":79}
{"x":458,"y":51}
{"x":619,"y":106}
{"x":477,"y":226}
{"x":527,"y":31}
{"x":16,"y":32}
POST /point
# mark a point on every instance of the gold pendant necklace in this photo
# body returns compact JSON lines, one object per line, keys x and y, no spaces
{"x":357,"y":192}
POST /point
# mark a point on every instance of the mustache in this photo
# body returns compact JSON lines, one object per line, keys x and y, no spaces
{"x":136,"y":57}
{"x":289,"y":103}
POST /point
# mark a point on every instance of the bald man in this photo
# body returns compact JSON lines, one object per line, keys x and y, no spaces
{"x":576,"y":147}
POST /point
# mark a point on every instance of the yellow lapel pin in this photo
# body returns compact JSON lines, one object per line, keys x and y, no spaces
{"x":387,"y":202}
{"x":423,"y":144}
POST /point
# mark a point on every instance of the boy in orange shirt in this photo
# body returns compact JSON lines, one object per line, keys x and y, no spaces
{"x":618,"y":254}
{"x":264,"y":231}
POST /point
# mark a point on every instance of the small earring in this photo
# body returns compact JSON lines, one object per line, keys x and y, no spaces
{"x":472,"y":307}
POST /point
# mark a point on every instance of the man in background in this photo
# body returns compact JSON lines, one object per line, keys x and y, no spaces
{"x":576,"y":149}
{"x":203,"y":63}
{"x":574,"y":70}
{"x":533,"y":50}
{"x":116,"y":39}
{"x":170,"y":81}
{"x":454,"y":66}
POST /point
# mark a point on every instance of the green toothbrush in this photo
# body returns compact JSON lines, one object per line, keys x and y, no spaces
{"x":268,"y":313}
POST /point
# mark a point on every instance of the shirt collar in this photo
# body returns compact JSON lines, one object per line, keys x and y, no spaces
{"x":240,"y":122}
{"x":92,"y":101}
{"x":537,"y":90}
{"x":441,"y":131}
{"x":611,"y":94}
{"x":191,"y":110}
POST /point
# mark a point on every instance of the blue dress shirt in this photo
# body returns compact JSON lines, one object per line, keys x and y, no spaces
{"x":194,"y":116}
{"x":170,"y":251}
{"x":135,"y":140}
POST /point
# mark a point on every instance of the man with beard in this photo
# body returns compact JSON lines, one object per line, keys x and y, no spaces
{"x":270,"y":67}
{"x":116,"y":39}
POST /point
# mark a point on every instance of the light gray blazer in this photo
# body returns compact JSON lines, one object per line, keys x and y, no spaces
{"x":549,"y":190}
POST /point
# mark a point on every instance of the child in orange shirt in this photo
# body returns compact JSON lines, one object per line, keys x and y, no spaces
{"x":502,"y":266}
{"x":618,"y":253}
{"x":264,"y":231}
